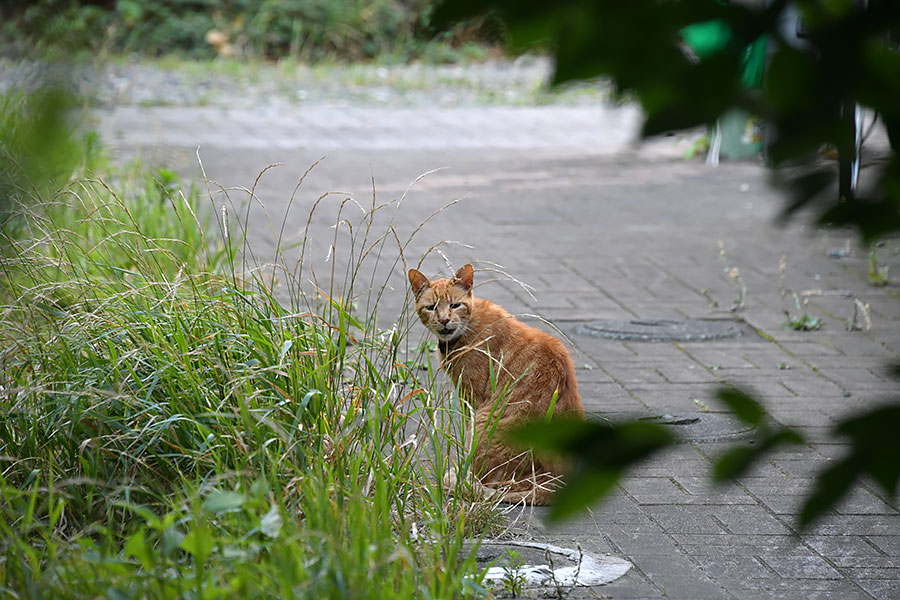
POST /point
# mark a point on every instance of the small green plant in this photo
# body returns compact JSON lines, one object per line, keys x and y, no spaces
{"x":878,"y":275}
{"x":514,"y":579}
{"x":804,"y":322}
{"x":700,"y":146}
{"x":733,"y":275}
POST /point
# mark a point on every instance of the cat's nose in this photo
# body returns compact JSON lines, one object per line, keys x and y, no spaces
{"x":445,"y":320}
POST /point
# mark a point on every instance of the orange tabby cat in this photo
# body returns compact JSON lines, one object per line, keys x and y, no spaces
{"x":478,"y":338}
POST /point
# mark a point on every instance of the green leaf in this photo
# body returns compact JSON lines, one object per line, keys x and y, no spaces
{"x":137,"y":547}
{"x":217,"y":501}
{"x":582,"y":490}
{"x":271,"y":522}
{"x":601,"y":452}
{"x":285,"y":348}
{"x":171,"y":539}
{"x":733,"y":463}
{"x":742,"y":405}
{"x":736,"y":461}
{"x":260,"y":487}
{"x":198,"y":543}
{"x":875,"y":452}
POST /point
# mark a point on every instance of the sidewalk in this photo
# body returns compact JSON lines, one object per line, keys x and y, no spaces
{"x":561,"y":199}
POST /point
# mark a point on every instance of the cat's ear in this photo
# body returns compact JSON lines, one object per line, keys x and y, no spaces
{"x":418,"y":282}
{"x":464,"y":278}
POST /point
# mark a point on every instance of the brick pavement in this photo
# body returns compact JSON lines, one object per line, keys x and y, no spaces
{"x":601,"y":230}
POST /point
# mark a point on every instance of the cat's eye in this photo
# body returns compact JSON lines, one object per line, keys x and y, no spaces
{"x":456,"y":305}
{"x":431,"y":307}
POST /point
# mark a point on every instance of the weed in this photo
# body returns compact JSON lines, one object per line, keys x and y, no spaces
{"x":859,"y":320}
{"x":878,"y":275}
{"x":177,"y":419}
{"x":804,"y":322}
{"x":514,"y":579}
{"x":701,"y":145}
{"x":733,"y":275}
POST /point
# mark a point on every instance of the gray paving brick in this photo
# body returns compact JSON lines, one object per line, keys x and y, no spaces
{"x":881,"y":589}
{"x":883,"y":531}
{"x":678,"y":577}
{"x":845,"y":550}
{"x":801,"y":567}
{"x":749,"y":519}
{"x":886,"y":538}
{"x":687,"y":519}
{"x":822,"y":589}
{"x":669,"y":398}
{"x":733,"y":571}
{"x":727,"y":544}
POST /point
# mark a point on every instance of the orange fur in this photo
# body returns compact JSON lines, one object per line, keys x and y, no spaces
{"x":507,"y":371}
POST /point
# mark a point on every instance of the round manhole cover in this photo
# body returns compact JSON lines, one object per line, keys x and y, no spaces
{"x":704,"y":427}
{"x":662,"y":330}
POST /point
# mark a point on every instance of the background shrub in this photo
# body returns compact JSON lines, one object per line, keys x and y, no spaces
{"x":306,"y":29}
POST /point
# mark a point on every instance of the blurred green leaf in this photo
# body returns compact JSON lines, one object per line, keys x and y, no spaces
{"x":222,"y":501}
{"x":581,"y":490}
{"x":742,"y":405}
{"x":38,"y":147}
{"x":875,"y":452}
{"x":736,"y":461}
{"x":849,"y":56}
{"x":600,"y":452}
{"x":198,"y":543}
{"x":137,"y":547}
{"x":271,"y":522}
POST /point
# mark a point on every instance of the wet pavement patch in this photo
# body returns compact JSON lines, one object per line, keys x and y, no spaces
{"x":665,"y":330}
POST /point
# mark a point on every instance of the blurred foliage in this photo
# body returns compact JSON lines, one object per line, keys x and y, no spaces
{"x":308,"y":29}
{"x":40,"y":147}
{"x":601,"y":452}
{"x":848,"y":56}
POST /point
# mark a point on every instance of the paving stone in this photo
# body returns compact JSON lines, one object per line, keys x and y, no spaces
{"x":863,"y":502}
{"x":668,"y":398}
{"x":605,"y":398}
{"x":780,"y":589}
{"x":707,"y":492}
{"x":731,"y":571}
{"x":881,"y":589}
{"x":882,"y":531}
{"x":687,"y":519}
{"x":727,"y":544}
{"x":752,"y":519}
{"x":843,"y":547}
{"x":678,"y":577}
{"x":801,"y":567}
{"x":887,"y":538}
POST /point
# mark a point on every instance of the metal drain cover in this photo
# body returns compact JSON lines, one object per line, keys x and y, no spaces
{"x":704,"y":427}
{"x":662,"y":330}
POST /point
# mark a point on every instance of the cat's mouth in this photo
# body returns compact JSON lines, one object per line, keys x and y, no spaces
{"x":447,"y":333}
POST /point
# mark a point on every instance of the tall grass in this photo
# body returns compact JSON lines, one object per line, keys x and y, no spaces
{"x":173,"y":424}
